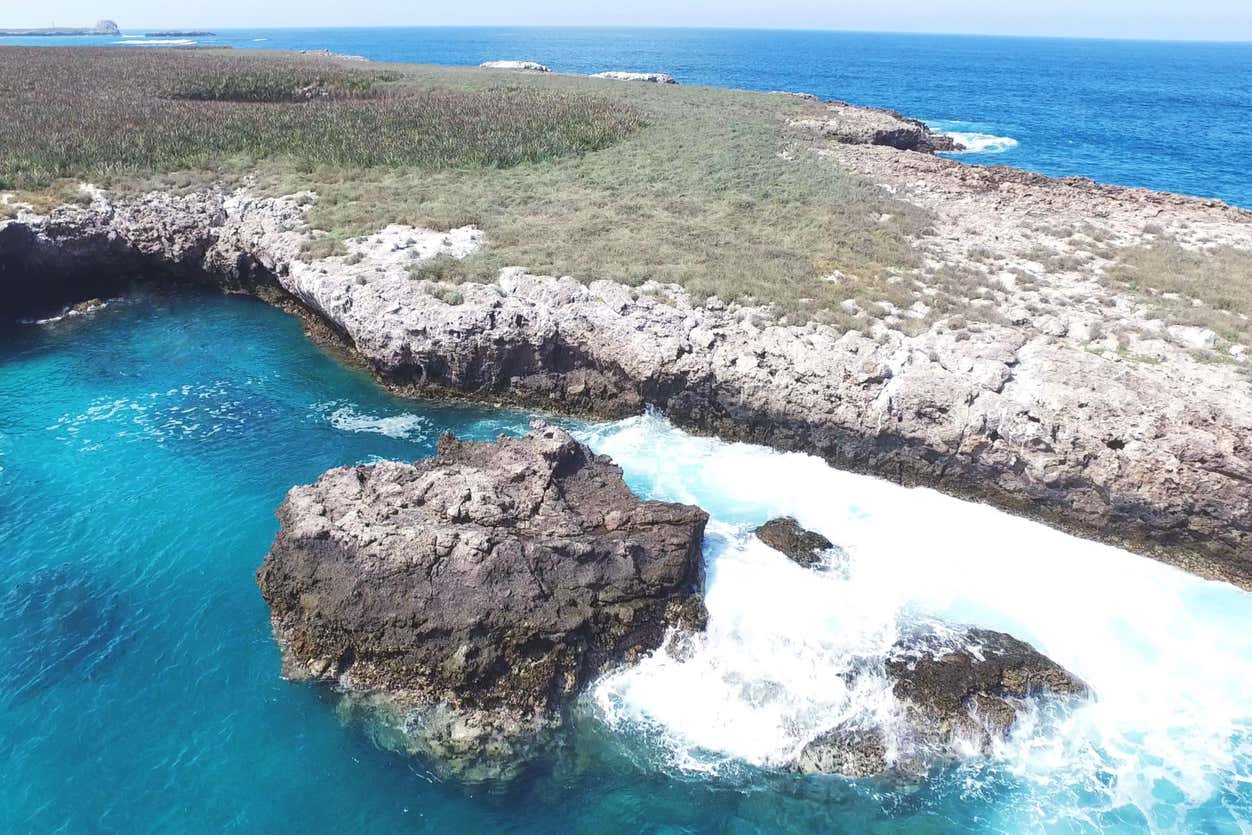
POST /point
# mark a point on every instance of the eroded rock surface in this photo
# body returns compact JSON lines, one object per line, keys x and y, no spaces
{"x":956,"y":693}
{"x":801,"y":546}
{"x":855,"y":125}
{"x":474,"y":594}
{"x":1038,"y":407}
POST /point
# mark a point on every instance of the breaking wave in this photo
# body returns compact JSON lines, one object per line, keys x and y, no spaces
{"x":73,"y":312}
{"x":974,"y":137}
{"x":1167,"y":654}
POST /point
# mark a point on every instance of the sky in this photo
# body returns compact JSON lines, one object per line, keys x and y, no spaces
{"x":1170,"y":19}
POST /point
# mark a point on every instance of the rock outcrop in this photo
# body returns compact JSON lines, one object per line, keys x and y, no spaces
{"x":956,"y":691}
{"x":525,"y":66}
{"x":1029,"y":410}
{"x":854,"y":125}
{"x":801,"y":546}
{"x":646,"y":77}
{"x":479,"y":590}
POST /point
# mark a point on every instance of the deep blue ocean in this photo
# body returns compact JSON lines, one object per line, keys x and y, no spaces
{"x":1165,"y":115}
{"x":144,"y":448}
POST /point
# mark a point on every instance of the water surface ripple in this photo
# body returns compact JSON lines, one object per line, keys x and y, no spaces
{"x":144,"y":448}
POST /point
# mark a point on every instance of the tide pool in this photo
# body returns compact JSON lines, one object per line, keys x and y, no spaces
{"x":144,"y":448}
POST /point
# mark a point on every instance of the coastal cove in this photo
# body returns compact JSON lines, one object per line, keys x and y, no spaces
{"x":779,"y":426}
{"x":144,"y":673}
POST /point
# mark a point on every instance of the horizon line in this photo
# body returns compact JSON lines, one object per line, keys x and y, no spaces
{"x":694,"y":28}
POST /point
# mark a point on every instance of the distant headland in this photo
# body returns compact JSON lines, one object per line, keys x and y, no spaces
{"x":103,"y":27}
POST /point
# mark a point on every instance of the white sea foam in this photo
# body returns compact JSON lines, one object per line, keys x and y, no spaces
{"x":183,"y":413}
{"x":405,"y":426}
{"x":70,"y":313}
{"x":141,"y":41}
{"x":982,"y":143}
{"x":1168,"y":655}
{"x":975,"y":137}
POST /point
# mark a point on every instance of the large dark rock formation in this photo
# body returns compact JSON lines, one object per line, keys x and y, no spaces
{"x":481,"y":589}
{"x":856,"y":125}
{"x":801,"y":546}
{"x":964,"y":688}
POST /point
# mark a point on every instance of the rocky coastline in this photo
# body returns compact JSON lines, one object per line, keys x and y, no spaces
{"x":462,"y":604}
{"x":958,"y":693}
{"x":480,"y":590}
{"x":1028,"y":413}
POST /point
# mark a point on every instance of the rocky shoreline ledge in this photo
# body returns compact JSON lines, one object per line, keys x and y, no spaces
{"x":465,"y":602}
{"x":1033,"y":412}
{"x":472,"y":596}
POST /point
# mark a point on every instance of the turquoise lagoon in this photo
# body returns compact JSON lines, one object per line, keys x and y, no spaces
{"x":144,"y":448}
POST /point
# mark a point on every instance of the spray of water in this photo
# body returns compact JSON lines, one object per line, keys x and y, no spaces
{"x":1168,"y":655}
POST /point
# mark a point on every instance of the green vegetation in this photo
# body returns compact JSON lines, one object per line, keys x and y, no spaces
{"x":1172,"y":276}
{"x":98,"y":114}
{"x":565,"y":175}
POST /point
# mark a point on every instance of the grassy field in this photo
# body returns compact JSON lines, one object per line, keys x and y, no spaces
{"x":102,"y":114}
{"x":572,"y":176}
{"x":1170,"y":277}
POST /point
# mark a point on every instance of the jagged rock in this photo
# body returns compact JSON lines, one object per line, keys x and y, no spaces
{"x":528,"y":66}
{"x":969,"y":686}
{"x":647,"y":77}
{"x":86,"y":307}
{"x":963,"y":689}
{"x":479,"y":590}
{"x":849,"y":751}
{"x":801,"y":546}
{"x":855,"y":125}
{"x":1028,"y":422}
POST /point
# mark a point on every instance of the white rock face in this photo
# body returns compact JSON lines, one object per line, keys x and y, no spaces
{"x":1194,"y":337}
{"x":1158,"y":454}
{"x":648,"y":77}
{"x":528,"y":66}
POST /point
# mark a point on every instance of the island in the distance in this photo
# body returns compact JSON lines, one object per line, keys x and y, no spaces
{"x":103,"y":27}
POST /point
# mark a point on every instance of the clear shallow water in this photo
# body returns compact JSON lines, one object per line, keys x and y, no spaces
{"x":143,"y":450}
{"x":1169,"y":116}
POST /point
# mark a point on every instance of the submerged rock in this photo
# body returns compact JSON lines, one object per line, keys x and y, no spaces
{"x":801,"y":546}
{"x":59,"y":625}
{"x":956,"y":693}
{"x":471,"y":596}
{"x":850,"y":751}
{"x":972,"y":686}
